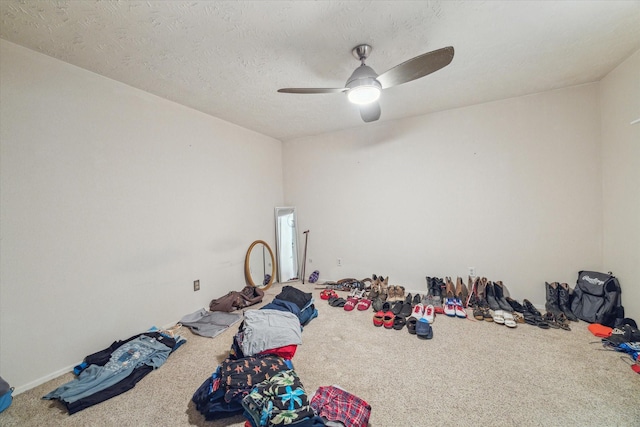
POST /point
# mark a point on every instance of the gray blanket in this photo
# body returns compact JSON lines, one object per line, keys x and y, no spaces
{"x":209,"y":323}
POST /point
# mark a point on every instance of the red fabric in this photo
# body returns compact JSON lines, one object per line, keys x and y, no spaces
{"x":287,"y":352}
{"x":600,"y":330}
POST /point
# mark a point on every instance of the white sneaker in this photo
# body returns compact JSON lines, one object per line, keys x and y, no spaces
{"x":418,"y":311}
{"x":449,"y":307}
{"x":429,"y":313}
{"x":459,"y":309}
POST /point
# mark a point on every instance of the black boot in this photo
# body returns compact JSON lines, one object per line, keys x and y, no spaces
{"x":552,"y":298}
{"x":491,"y":297}
{"x":429,"y":286}
{"x":430,"y":298}
{"x":563,"y":302}
{"x":498,"y":290}
{"x":438,"y":284}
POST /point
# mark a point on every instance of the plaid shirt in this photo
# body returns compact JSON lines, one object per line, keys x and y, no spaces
{"x":335,"y":404}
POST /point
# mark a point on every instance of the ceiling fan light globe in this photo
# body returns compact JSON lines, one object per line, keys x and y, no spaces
{"x":365,"y":94}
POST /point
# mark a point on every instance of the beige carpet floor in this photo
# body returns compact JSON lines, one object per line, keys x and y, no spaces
{"x":470,"y":374}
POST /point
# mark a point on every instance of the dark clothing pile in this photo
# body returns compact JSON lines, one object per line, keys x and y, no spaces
{"x":261,"y":351}
{"x":258,"y":378}
{"x":115,"y":370}
{"x":235,"y":300}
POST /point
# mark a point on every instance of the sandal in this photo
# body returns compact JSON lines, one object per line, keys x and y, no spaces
{"x":399,"y":322}
{"x":563,"y":321}
{"x":337,"y":302}
{"x":350,"y":304}
{"x":518,"y":318}
{"x":328,"y":293}
{"x":532,"y":316}
{"x":551,"y":320}
{"x":486,"y":312}
{"x":477,"y":313}
{"x":411,"y":325}
{"x":529,"y":318}
{"x":509,"y":320}
{"x":363,"y":304}
{"x":498,"y":317}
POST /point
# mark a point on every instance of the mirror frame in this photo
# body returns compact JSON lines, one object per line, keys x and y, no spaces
{"x":247,"y":268}
{"x":296,"y":251}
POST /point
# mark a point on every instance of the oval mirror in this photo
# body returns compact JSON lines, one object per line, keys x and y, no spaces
{"x":259,"y":265}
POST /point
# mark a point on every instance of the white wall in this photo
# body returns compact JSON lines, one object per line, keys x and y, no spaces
{"x":112,"y":202}
{"x":620,"y":104}
{"x":512,"y":188}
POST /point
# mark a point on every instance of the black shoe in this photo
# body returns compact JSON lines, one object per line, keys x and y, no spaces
{"x":406,"y":310}
{"x":515,"y":305}
{"x":533,"y":316}
{"x":396,"y":308}
{"x":408,"y":299}
{"x":416,"y":299}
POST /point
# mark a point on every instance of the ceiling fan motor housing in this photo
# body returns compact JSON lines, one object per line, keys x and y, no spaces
{"x":363,"y":86}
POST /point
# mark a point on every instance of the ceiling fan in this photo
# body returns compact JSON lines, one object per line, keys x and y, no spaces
{"x":364,"y":86}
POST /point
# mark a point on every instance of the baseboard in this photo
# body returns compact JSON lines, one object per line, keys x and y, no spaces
{"x":42,"y":380}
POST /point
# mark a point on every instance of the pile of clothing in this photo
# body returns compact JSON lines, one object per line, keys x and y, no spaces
{"x":115,"y":369}
{"x":258,"y":379}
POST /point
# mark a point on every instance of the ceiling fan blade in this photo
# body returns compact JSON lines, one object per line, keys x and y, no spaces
{"x":370,"y":112}
{"x":308,"y":90}
{"x":417,"y":67}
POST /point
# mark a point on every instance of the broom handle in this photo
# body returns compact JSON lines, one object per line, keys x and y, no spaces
{"x":304,"y":263}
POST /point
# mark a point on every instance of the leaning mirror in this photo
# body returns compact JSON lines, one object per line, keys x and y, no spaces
{"x":286,"y":244}
{"x":259,"y":265}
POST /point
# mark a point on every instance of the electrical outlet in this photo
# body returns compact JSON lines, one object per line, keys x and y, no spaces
{"x":472,"y":271}
{"x":339,"y":262}
{"x":196,"y":285}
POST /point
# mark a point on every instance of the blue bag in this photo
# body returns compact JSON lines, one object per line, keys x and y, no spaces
{"x":5,"y":395}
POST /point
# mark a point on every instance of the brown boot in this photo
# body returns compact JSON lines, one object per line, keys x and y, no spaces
{"x":449,"y":289}
{"x":480,"y":289}
{"x":461,"y":291}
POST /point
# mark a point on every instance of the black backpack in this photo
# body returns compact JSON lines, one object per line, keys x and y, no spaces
{"x":597,"y":299}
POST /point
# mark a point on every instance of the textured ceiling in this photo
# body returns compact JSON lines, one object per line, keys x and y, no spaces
{"x":228,"y":58}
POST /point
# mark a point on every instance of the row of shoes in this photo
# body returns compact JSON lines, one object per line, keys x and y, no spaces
{"x":419,"y":323}
{"x":487,"y":299}
{"x":489,"y":303}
